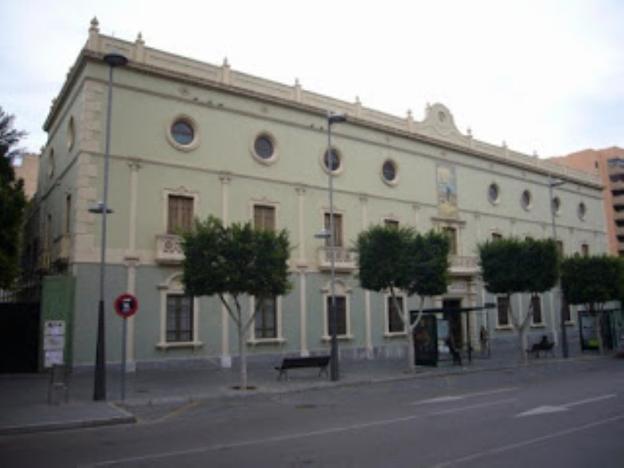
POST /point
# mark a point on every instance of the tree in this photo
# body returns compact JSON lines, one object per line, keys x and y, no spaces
{"x":234,"y":261}
{"x":12,"y":201}
{"x":592,"y":281}
{"x":511,"y":266}
{"x":392,"y":259}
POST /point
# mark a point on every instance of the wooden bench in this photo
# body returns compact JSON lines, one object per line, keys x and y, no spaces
{"x":302,"y":362}
{"x":543,"y":346}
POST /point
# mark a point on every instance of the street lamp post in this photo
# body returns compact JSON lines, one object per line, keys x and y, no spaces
{"x":564,"y":336}
{"x":329,"y":160}
{"x":99,"y":385}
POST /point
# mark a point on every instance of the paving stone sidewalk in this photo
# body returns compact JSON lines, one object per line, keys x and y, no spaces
{"x":24,"y":407}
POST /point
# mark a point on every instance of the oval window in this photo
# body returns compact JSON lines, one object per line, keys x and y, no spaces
{"x":526,"y":200}
{"x":264,"y":147}
{"x":582,"y":210}
{"x":493,"y":193}
{"x":331,"y":159}
{"x":389,"y":171}
{"x":182,"y":132}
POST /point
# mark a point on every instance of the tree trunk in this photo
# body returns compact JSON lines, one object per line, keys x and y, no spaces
{"x":522,"y":341}
{"x":242,"y":348}
{"x":411,"y":357}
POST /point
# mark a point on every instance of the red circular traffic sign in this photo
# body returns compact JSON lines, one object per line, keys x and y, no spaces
{"x":126,"y":305}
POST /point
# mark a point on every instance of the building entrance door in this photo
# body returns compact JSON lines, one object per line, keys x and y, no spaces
{"x":454,"y":320}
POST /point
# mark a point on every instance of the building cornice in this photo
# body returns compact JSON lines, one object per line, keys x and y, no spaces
{"x":437,"y":128}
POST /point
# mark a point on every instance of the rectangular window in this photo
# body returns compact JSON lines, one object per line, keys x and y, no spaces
{"x":264,"y":217}
{"x":536,"y":305}
{"x":393,"y":223}
{"x":67,"y":214}
{"x":503,"y":311}
{"x":337,"y":229}
{"x":180,"y":214}
{"x":265,"y":321}
{"x":179,"y":318}
{"x":585,"y":250}
{"x":341,"y":316}
{"x":451,"y":233}
{"x":395,"y":324}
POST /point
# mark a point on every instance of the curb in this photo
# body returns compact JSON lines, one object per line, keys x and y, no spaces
{"x":227,"y":393}
{"x":125,"y":418}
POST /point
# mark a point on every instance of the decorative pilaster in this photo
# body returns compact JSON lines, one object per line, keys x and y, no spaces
{"x":301,"y":261}
{"x":367,"y":294}
{"x":303,"y":318}
{"x":132,"y":260}
{"x":226,"y":359}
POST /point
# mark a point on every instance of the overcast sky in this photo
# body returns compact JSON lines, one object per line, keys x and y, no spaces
{"x":541,"y":75}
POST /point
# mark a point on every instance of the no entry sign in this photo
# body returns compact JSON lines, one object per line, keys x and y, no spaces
{"x":126,"y":305}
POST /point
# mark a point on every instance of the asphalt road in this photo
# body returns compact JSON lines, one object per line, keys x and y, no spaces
{"x":560,"y":415}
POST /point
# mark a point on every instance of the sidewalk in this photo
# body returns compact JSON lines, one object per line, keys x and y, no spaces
{"x":24,"y":407}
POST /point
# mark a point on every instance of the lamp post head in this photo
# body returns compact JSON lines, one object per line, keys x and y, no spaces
{"x":336,"y":118}
{"x":115,"y":60}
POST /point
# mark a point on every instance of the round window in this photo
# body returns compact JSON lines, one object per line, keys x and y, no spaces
{"x":182,"y":132}
{"x":263,"y":146}
{"x":526,"y":199}
{"x":493,"y":193}
{"x":389,"y":171}
{"x":556,"y":205}
{"x":331,"y":160}
{"x":582,"y":210}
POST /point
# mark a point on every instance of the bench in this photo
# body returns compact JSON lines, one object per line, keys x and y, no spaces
{"x":544,"y":346}
{"x":302,"y":362}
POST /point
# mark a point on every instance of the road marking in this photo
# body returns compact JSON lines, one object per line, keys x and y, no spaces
{"x":591,"y":400}
{"x":547,"y":409}
{"x":320,"y":432}
{"x":476,"y":406}
{"x":524,"y":443}
{"x":448,"y":398}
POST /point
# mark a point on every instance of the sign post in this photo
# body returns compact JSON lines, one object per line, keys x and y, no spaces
{"x":126,"y":305}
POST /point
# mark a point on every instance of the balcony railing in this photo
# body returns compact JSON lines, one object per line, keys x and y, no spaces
{"x":463,"y":265}
{"x":345,"y":259}
{"x":169,"y":249}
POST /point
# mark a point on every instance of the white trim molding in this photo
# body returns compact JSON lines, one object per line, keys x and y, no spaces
{"x":342,"y":290}
{"x":387,"y":296}
{"x":279,"y":337}
{"x":173,"y":286}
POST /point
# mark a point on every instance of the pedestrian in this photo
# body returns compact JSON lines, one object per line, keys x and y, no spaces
{"x":485,"y":341}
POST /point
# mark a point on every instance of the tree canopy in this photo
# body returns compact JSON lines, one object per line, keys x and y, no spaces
{"x":513,"y":266}
{"x":12,"y":202}
{"x":592,"y":280}
{"x":232,"y":261}
{"x":392,"y":258}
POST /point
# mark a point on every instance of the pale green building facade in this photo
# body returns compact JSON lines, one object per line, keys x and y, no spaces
{"x":190,"y":139}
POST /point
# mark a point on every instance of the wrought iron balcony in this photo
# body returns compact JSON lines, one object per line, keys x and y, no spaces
{"x":169,"y":249}
{"x":345,"y":259}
